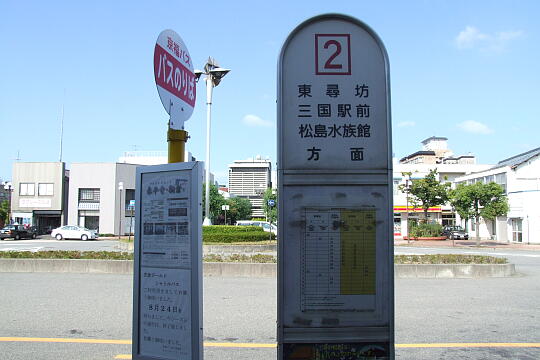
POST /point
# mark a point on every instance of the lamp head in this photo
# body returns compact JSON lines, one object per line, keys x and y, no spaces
{"x":198,"y":74}
{"x":218,"y":74}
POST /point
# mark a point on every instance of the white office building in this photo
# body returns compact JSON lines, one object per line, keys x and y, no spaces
{"x":520,"y":177}
{"x":100,"y":195}
{"x":249,"y":179}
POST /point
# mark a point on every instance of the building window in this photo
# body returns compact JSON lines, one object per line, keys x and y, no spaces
{"x":89,"y":195}
{"x":448,"y":219}
{"x":396,"y":188}
{"x":501,"y":180}
{"x":45,"y":189}
{"x":27,"y":189}
{"x":517,"y":233}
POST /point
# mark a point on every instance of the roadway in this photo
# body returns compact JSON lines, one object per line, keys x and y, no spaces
{"x":45,"y":242}
{"x":88,"y":316}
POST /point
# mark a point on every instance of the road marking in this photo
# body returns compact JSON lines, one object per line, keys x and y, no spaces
{"x":403,"y":346}
{"x":470,"y":345}
{"x":262,"y":345}
{"x":65,"y":340}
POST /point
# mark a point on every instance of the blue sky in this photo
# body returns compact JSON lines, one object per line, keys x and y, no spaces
{"x":466,"y":70}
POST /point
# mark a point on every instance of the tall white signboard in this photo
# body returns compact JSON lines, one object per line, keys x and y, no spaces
{"x":335,"y":287}
{"x":167,"y":292}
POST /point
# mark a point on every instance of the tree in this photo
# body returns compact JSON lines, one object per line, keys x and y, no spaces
{"x":216,"y":200}
{"x":270,"y":211}
{"x":4,"y":211}
{"x":427,"y":192}
{"x":239,"y":209}
{"x":479,"y":200}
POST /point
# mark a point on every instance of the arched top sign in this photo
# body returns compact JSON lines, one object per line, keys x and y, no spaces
{"x":333,"y":97}
{"x":175,"y":78}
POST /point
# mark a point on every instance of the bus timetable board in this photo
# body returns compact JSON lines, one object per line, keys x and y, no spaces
{"x":167,"y":291}
{"x":335,"y":254}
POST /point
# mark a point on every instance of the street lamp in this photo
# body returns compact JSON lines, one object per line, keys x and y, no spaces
{"x":120,"y":188}
{"x":9,"y":188}
{"x":407,"y":179}
{"x":214,"y":74}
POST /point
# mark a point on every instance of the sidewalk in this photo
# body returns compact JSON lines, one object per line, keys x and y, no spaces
{"x":468,"y":244}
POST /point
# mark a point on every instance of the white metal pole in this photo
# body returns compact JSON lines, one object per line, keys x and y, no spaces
{"x":209,"y":86}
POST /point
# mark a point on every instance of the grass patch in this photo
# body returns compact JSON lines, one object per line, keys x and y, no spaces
{"x":257,"y":258}
{"x":63,"y":254}
{"x":448,"y":259}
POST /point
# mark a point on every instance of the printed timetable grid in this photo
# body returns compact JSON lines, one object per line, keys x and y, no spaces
{"x":338,"y":256}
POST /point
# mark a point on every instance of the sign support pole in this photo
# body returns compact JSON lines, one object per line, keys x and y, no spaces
{"x":177,"y":142}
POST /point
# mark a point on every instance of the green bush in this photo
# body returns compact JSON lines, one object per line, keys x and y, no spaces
{"x":425,"y":230}
{"x":251,"y":236}
{"x":230,"y":234}
{"x":228,"y":229}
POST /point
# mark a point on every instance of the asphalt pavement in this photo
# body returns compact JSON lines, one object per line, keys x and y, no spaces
{"x":88,"y":316}
{"x":435,"y":313}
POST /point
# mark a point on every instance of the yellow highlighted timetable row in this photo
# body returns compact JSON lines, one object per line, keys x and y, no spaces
{"x":358,"y":252}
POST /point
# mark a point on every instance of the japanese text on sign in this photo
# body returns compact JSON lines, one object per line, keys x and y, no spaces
{"x":173,"y":76}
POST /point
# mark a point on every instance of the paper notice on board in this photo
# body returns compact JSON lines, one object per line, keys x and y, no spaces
{"x":339,"y":259}
{"x":165,"y":313}
{"x":165,"y":239}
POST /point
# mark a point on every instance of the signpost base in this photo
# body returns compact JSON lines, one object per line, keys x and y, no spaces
{"x":177,"y":142}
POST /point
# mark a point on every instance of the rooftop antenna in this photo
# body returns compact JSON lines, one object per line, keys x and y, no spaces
{"x":18,"y":158}
{"x":62,"y":126}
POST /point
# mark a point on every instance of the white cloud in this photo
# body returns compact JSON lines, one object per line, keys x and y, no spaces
{"x":254,"y":120}
{"x":474,"y":127}
{"x":472,"y":38}
{"x":406,"y":124}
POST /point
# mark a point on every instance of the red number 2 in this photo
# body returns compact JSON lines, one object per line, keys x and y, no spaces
{"x":328,"y":64}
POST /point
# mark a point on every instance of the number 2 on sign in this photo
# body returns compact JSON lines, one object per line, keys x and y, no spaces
{"x":333,"y":54}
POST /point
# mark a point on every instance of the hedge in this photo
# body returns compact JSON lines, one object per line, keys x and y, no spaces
{"x":227,"y":229}
{"x":250,"y":236}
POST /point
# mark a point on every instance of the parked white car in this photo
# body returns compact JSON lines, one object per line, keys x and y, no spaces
{"x":264,"y":224}
{"x":73,"y":232}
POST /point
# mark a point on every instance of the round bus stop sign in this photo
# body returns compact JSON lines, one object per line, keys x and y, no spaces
{"x":175,"y":78}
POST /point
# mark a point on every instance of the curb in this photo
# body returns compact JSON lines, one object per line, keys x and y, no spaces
{"x":453,"y":271}
{"x":401,"y":271}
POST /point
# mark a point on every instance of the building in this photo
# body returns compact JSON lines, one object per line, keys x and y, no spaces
{"x":40,"y":193}
{"x":435,"y":154}
{"x":100,"y":195}
{"x":435,"y":151}
{"x":519,"y":175}
{"x":403,"y":210}
{"x":249,"y":179}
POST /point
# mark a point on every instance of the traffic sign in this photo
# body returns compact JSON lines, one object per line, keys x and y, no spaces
{"x":335,"y":282}
{"x":175,"y":78}
{"x":271,"y":202}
